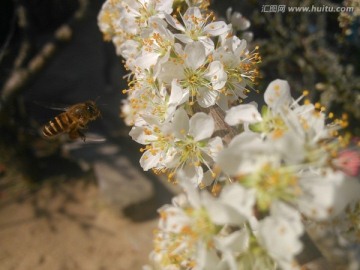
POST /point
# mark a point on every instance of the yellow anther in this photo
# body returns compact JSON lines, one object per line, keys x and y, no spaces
{"x":170,"y":176}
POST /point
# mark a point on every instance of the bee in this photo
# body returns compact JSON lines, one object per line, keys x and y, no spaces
{"x":72,"y":120}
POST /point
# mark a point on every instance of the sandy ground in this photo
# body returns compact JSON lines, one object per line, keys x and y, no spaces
{"x":69,"y":226}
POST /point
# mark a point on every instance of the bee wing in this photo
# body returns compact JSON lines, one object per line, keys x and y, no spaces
{"x":93,"y":138}
{"x":57,"y":107}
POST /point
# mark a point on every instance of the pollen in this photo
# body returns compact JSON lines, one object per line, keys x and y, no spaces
{"x":307,"y":102}
{"x":197,"y":163}
{"x":202,"y":185}
{"x":278,"y":133}
{"x":171,"y":176}
{"x":216,"y":189}
{"x":163,"y":215}
{"x":282,"y":230}
{"x":147,"y":131}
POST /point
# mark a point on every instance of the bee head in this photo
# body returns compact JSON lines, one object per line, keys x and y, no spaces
{"x":92,"y":109}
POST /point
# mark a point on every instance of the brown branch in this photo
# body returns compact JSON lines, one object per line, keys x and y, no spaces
{"x":9,"y":37}
{"x":21,"y":76}
{"x":222,"y":129}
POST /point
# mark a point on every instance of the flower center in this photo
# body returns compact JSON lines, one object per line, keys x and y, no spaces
{"x":190,"y":151}
{"x":272,"y":184}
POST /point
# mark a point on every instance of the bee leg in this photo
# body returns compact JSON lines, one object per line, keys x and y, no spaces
{"x":74,"y":134}
{"x":82,"y":135}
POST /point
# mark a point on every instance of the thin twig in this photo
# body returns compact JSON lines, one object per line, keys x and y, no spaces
{"x":9,"y":36}
{"x":21,"y":76}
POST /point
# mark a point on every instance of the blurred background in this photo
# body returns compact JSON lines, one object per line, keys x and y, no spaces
{"x":88,"y":205}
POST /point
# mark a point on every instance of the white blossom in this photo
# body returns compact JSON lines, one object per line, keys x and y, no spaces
{"x":195,"y":27}
{"x":194,"y":145}
{"x":326,"y":193}
{"x":280,"y":234}
{"x":280,"y":163}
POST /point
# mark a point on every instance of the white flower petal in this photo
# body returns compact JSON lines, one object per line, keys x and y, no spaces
{"x":276,"y":234}
{"x":208,"y":179}
{"x":239,"y":22}
{"x":216,"y":28}
{"x":237,"y":241}
{"x":283,"y":210}
{"x":277,"y":94}
{"x":221,"y":213}
{"x":291,"y":147}
{"x":177,"y":221}
{"x":207,"y":259}
{"x":223,"y":102}
{"x":138,"y":135}
{"x":128,"y":49}
{"x":201,"y":126}
{"x":241,"y":199}
{"x":184,"y":38}
{"x":326,"y":194}
{"x":215,"y":145}
{"x":190,"y":14}
{"x":174,"y":23}
{"x":148,"y":160}
{"x":195,"y":55}
{"x":189,"y":187}
{"x":208,"y":44}
{"x":146,"y":60}
{"x":245,"y":113}
{"x":164,"y":5}
{"x":178,"y":95}
{"x":170,"y":71}
{"x":217,"y":75}
{"x":180,"y":124}
{"x":239,"y":46}
{"x":229,"y":161}
{"x":192,"y":174}
{"x":207,"y":97}
{"x":249,"y":141}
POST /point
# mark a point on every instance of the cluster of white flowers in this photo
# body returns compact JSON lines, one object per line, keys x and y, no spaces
{"x":285,"y":164}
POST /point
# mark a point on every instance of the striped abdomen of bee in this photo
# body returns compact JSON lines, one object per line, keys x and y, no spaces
{"x":72,"y":121}
{"x":63,"y":123}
